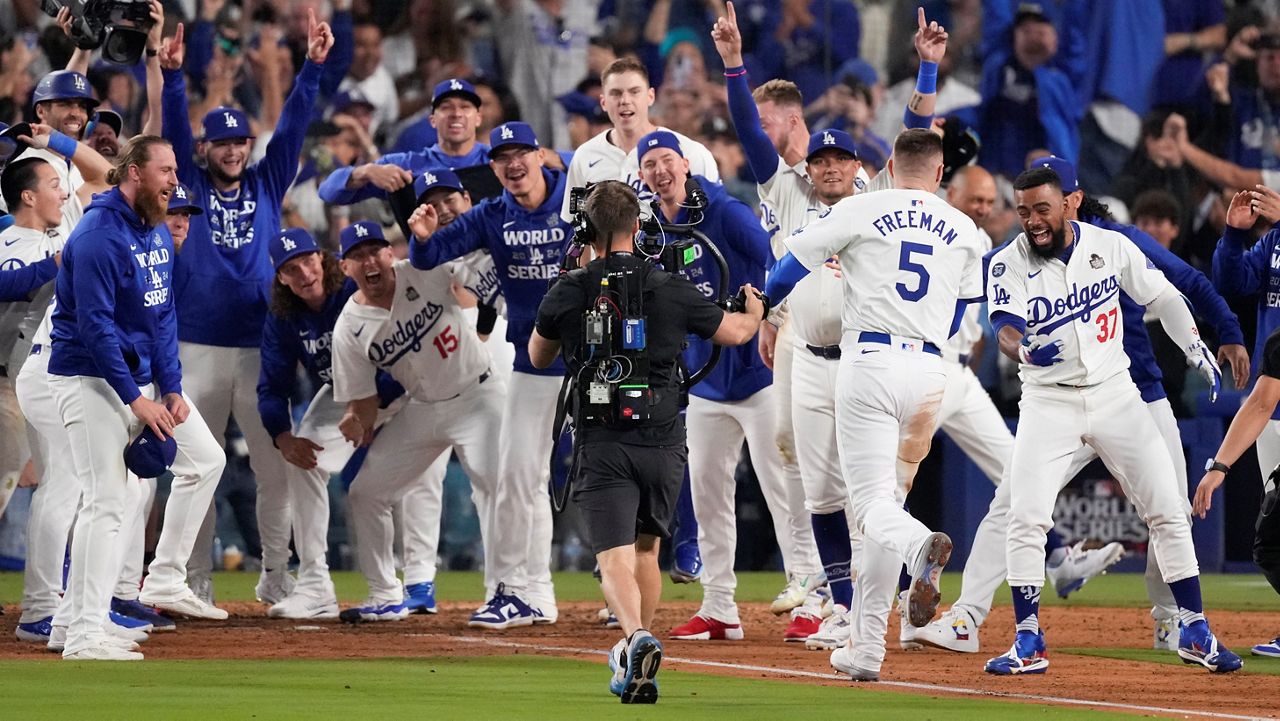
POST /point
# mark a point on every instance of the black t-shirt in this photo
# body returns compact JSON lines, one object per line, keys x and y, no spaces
{"x":673,"y":308}
{"x":1271,"y":356}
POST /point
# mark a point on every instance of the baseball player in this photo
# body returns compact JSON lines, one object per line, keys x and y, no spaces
{"x":406,"y":322}
{"x":909,"y":259}
{"x":526,"y":236}
{"x":20,"y":283}
{"x":455,"y":114}
{"x":957,"y":629}
{"x":1054,"y":301}
{"x":223,"y":277}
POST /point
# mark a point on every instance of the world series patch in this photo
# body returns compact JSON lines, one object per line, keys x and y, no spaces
{"x":1095,"y":261}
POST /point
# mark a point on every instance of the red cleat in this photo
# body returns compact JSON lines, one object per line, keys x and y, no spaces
{"x":702,"y":628}
{"x":802,"y":626}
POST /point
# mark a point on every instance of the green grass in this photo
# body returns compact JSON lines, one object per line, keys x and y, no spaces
{"x":523,"y":687}
{"x":1252,"y":664}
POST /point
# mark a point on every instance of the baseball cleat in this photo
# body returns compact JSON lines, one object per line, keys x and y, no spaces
{"x":686,"y":563}
{"x":35,"y":631}
{"x":1028,"y":655}
{"x":955,"y":630}
{"x":545,"y":614}
{"x":420,"y":597}
{"x":796,"y":591}
{"x":607,"y":618}
{"x":833,"y":633}
{"x":187,"y":604}
{"x":644,"y":656}
{"x":102,"y":652}
{"x":136,"y":635}
{"x":300,"y":606}
{"x":618,"y":667}
{"x":1080,"y":565}
{"x":906,"y":632}
{"x":842,"y":661}
{"x":704,"y":628}
{"x":1165,"y":637}
{"x":133,"y":609}
{"x":201,"y":585}
{"x":377,"y":611}
{"x":503,"y":611}
{"x":58,"y":641}
{"x":129,"y":622}
{"x":1197,"y":644}
{"x":273,"y":586}
{"x":926,"y":577}
{"x":1270,"y":648}
{"x":802,"y":626}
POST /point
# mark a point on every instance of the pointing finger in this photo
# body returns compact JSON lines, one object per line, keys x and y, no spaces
{"x":920,"y":18}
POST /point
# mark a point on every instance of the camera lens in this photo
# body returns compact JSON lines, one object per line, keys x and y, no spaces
{"x":123,"y":45}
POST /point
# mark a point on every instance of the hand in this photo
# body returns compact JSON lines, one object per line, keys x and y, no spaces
{"x":1199,"y":358}
{"x":834,"y":264}
{"x":551,"y":159}
{"x":319,"y":39}
{"x":930,"y":40}
{"x":172,"y":51}
{"x":63,"y":20}
{"x":424,"y":221}
{"x":728,"y":38}
{"x":177,"y":407}
{"x":1266,"y":202}
{"x":387,"y":177}
{"x":28,"y":478}
{"x":1204,"y":492}
{"x":1237,"y":357}
{"x":155,"y":36}
{"x":1036,"y":352}
{"x":39,"y":137}
{"x":301,"y":452}
{"x":754,"y":304}
{"x":57,"y":259}
{"x":354,"y":431}
{"x":1175,"y":129}
{"x":1242,"y":214}
{"x":1241,"y":46}
{"x":153,"y":415}
{"x":1217,"y":77}
{"x":767,"y":342}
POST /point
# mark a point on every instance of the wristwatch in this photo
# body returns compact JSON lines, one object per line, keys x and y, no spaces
{"x":1213,"y":464}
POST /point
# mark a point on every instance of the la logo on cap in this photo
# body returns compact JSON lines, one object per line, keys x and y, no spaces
{"x":455,"y":85}
{"x":428,"y":178}
{"x":79,"y":82}
{"x":506,"y":133}
{"x":289,"y":244}
{"x":361,"y":231}
{"x":178,"y":191}
{"x":828,"y":138}
{"x":229,"y":120}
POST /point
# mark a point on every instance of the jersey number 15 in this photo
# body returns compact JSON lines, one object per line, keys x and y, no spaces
{"x":906,"y":263}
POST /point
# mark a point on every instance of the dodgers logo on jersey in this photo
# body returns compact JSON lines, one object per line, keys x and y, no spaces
{"x":407,"y":336}
{"x":1080,"y":303}
{"x":999,"y":296}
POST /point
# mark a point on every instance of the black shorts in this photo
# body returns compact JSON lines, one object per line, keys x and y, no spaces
{"x":623,"y":491}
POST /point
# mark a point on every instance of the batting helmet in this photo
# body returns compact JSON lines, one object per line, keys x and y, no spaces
{"x":64,"y":85}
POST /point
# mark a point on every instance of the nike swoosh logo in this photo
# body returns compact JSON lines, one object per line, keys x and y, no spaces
{"x":8,"y":243}
{"x":869,"y":350}
{"x":132,"y":246}
{"x":508,"y":224}
{"x":358,"y":331}
{"x":593,"y":163}
{"x":1038,"y":272}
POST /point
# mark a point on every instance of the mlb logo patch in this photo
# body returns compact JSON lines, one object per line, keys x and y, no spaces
{"x":917,"y":202}
{"x":1096,"y":262}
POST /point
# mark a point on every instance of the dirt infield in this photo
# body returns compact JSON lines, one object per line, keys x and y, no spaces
{"x":249,"y":635}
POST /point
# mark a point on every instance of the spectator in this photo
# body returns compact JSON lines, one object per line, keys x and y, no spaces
{"x":1158,"y":214}
{"x":804,"y":41}
{"x":1156,"y":162}
{"x":586,"y":117}
{"x":1254,"y":112}
{"x":1192,"y":30}
{"x":369,"y":75}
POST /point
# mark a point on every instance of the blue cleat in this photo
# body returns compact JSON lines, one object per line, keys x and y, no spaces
{"x":375,"y":611}
{"x":1197,"y":644}
{"x":133,"y":624}
{"x":686,"y":563}
{"x":35,"y":631}
{"x":135,"y":609}
{"x":503,"y":611}
{"x":420,"y":597}
{"x":643,"y":658}
{"x":1028,"y":655}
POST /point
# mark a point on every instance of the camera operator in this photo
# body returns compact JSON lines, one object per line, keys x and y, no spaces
{"x":632,"y":469}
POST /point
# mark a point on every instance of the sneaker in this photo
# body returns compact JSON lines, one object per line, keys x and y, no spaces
{"x":133,"y":609}
{"x":58,"y":640}
{"x":1197,"y":644}
{"x":187,"y":604}
{"x":1080,"y":565}
{"x":102,"y":652}
{"x":796,"y":591}
{"x":955,"y":630}
{"x":906,"y":632}
{"x":618,"y":667}
{"x":503,"y":611}
{"x":802,"y":626}
{"x":115,"y":630}
{"x":35,"y":631}
{"x":129,"y":622}
{"x":704,"y":628}
{"x":1027,"y":655}
{"x":644,"y":655}
{"x":1165,"y":637}
{"x":1270,"y":648}
{"x":301,"y":605}
{"x":607,"y":618}
{"x":273,"y":586}
{"x":833,"y":633}
{"x":926,"y":576}
{"x":421,"y":597}
{"x":545,"y":613}
{"x":686,"y":563}
{"x":201,"y":584}
{"x":842,"y":661}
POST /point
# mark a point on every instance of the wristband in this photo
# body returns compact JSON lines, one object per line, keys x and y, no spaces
{"x":735,"y":71}
{"x":927,"y":78}
{"x":911,"y":120}
{"x":62,"y":145}
{"x":151,"y":52}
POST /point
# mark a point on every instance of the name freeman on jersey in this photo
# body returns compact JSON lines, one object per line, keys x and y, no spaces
{"x":900,"y":219}
{"x":407,"y":337}
{"x":1080,"y":303}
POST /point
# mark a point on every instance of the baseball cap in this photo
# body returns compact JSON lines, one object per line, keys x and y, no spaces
{"x":454,"y":86}
{"x":432,"y":179}
{"x":10,"y":146}
{"x":860,"y":70}
{"x":147,"y":456}
{"x":289,"y":243}
{"x":1030,"y":12}
{"x":111,"y":119}
{"x":831,"y":140}
{"x":1065,"y":170}
{"x":226,"y":123}
{"x":960,"y":145}
{"x":347,"y":98}
{"x":359,"y":233}
{"x":183,"y":199}
{"x":582,"y":104}
{"x":658,"y":139}
{"x":513,"y":133}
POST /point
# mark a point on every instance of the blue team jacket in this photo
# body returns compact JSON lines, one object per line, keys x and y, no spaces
{"x":20,"y":283}
{"x":115,"y":314}
{"x":334,"y":188}
{"x":223,"y":277}
{"x":527,"y":248}
{"x":735,"y":230}
{"x":1237,"y":272}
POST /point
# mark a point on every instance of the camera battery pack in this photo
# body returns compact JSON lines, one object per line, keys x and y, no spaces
{"x":633,"y":402}
{"x":633,"y":334}
{"x":597,"y":393}
{"x":593,"y":328}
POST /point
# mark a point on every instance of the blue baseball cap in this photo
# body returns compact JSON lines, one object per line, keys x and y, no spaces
{"x":831,"y":140}
{"x":860,"y":70}
{"x":432,"y":179}
{"x":347,"y":98}
{"x":147,"y":456}
{"x":183,"y":199}
{"x":513,"y":133}
{"x":109,"y":118}
{"x":454,"y":86}
{"x":359,"y":233}
{"x":290,"y":243}
{"x":226,"y":123}
{"x":1063,"y":167}
{"x":582,"y":104}
{"x":658,"y":139}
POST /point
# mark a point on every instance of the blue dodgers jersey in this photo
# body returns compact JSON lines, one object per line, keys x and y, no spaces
{"x":527,"y":248}
{"x":334,"y":188}
{"x":1240,"y":269}
{"x":736,"y":232}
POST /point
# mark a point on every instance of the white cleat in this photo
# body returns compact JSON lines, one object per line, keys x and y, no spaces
{"x":842,"y":661}
{"x":58,"y":641}
{"x":274,"y":586}
{"x":301,"y":606}
{"x":955,"y":631}
{"x":796,"y":591}
{"x":834,"y":631}
{"x":1080,"y":565}
{"x":1166,"y":634}
{"x":102,"y":652}
{"x":187,"y":604}
{"x":906,"y":632}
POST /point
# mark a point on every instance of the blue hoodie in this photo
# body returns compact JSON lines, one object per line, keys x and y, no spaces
{"x":1237,"y":272}
{"x":18,"y":284}
{"x":334,"y":188}
{"x":115,"y":314}
{"x":527,"y":247}
{"x":223,"y":277}
{"x":736,"y":232}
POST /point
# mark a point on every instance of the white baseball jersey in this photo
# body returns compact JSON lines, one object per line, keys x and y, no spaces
{"x":477,"y":273}
{"x":69,"y":178}
{"x":425,"y":342}
{"x":906,"y":257}
{"x":599,"y":159}
{"x":1077,"y":302}
{"x":20,"y":247}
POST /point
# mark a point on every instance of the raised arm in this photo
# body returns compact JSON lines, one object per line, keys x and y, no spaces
{"x":92,"y":166}
{"x":154,"y":121}
{"x":176,"y":125}
{"x":931,"y":45}
{"x":432,"y":245}
{"x":1237,"y":271}
{"x":762,"y":156}
{"x":280,"y":164}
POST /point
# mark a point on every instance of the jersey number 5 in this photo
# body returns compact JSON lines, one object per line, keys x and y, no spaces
{"x":1107,"y":324}
{"x":446,"y":342}
{"x":906,"y":263}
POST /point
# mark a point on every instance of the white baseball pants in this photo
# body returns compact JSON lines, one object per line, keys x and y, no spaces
{"x":971,"y":420}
